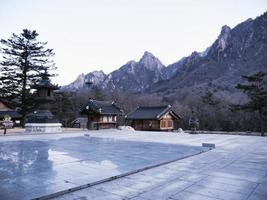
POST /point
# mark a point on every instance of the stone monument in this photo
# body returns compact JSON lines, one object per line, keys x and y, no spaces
{"x":42,"y":120}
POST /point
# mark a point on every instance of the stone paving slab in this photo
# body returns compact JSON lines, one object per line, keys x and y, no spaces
{"x":220,"y":193}
{"x":122,"y":191}
{"x":91,"y":194}
{"x":257,"y":197}
{"x":185,"y":195}
{"x":167,"y":190}
{"x":230,"y":181}
{"x":246,"y":190}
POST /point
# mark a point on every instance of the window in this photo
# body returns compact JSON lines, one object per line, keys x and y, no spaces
{"x":170,"y":124}
{"x":163,"y":124}
{"x":48,"y":93}
{"x":105,"y":119}
{"x":166,"y":124}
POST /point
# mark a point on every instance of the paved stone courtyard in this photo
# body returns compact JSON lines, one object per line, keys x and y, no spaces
{"x":37,"y":166}
{"x":236,"y":169}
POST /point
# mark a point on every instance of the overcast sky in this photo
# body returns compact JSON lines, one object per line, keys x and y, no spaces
{"x":89,"y":35}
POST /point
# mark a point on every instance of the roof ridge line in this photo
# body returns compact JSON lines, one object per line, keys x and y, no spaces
{"x":168,"y":108}
{"x":132,"y":111}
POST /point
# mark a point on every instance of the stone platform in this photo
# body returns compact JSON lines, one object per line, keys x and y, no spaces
{"x":43,"y":127}
{"x":235,"y":169}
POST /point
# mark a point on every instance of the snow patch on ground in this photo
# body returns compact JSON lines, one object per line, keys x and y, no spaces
{"x":128,"y":128}
{"x":180,"y":130}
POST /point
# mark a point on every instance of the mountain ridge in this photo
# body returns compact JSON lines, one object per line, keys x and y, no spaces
{"x":237,"y":51}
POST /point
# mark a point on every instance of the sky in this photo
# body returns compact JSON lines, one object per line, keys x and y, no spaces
{"x":89,"y":35}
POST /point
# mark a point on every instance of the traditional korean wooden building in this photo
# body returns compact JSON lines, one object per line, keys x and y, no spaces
{"x":160,"y":118}
{"x":101,"y":114}
{"x":6,"y":110}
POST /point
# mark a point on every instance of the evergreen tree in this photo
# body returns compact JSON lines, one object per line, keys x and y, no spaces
{"x":65,"y":107}
{"x":96,"y":93}
{"x":24,"y":59}
{"x":257,"y":94}
{"x":209,"y":99}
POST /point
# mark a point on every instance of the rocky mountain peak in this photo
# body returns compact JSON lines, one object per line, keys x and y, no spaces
{"x":80,"y":79}
{"x":147,"y":55}
{"x":249,"y":20}
{"x":131,"y":65}
{"x":223,"y":37}
{"x":77,"y":84}
{"x":81,"y":76}
{"x":98,"y":73}
{"x":150,"y":62}
{"x":225,"y":30}
{"x":194,"y":54}
{"x":96,"y":77}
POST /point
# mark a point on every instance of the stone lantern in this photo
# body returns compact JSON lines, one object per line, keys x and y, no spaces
{"x":42,"y":120}
{"x":7,"y":123}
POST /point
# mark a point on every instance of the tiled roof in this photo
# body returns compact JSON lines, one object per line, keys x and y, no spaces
{"x":102,"y":108}
{"x":12,"y":113}
{"x":5,"y":103}
{"x":155,"y":112}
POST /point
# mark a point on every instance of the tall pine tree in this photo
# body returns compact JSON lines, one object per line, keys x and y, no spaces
{"x":257,"y":94}
{"x":24,"y":59}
